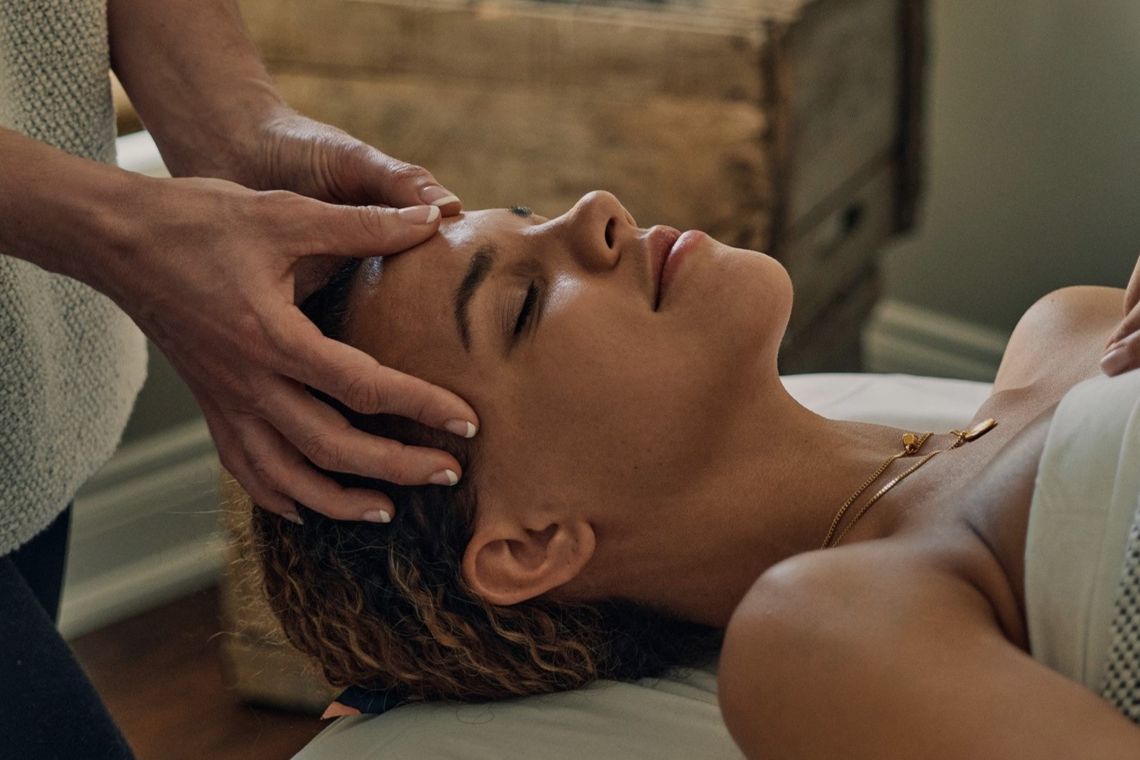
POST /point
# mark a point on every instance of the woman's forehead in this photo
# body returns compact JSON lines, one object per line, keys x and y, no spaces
{"x":452,"y":246}
{"x":404,"y":300}
{"x":437,"y":265}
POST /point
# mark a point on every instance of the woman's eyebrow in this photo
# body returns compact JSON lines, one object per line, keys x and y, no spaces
{"x":477,"y":270}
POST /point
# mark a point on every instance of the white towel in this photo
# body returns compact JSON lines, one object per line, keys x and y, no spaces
{"x":1086,"y":500}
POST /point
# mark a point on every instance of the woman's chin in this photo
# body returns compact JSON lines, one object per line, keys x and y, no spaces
{"x":757,"y":279}
{"x":739,"y":300}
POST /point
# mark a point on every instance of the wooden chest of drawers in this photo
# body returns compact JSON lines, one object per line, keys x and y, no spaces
{"x":786,"y":126}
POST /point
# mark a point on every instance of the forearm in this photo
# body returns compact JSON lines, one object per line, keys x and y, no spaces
{"x":196,"y":80}
{"x":63,"y":213}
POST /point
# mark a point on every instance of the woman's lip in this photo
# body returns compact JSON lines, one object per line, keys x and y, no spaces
{"x":661,"y":241}
{"x":681,"y":248}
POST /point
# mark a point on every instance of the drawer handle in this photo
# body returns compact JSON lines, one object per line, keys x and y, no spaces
{"x":852,"y":219}
{"x":843,"y":225}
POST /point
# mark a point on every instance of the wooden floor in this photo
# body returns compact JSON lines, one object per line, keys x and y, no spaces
{"x":160,"y":677}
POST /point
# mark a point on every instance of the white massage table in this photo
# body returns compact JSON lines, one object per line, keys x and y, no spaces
{"x":674,"y":717}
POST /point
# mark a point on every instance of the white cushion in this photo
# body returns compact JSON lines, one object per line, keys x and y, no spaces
{"x":655,"y":719}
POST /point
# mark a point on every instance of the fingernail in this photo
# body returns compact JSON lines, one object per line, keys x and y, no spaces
{"x":419,"y":214}
{"x":377,"y":516}
{"x":294,"y":518}
{"x":1114,"y":361}
{"x":438,"y":196}
{"x":461,"y":428}
{"x":444,"y":478}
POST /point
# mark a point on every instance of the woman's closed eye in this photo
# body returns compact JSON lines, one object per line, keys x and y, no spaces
{"x":526,"y":310}
{"x":518,"y":310}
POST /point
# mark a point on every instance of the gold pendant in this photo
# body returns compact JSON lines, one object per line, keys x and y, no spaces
{"x":910,"y":441}
{"x":977,"y":431}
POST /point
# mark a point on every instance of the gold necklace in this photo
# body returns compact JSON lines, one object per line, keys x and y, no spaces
{"x":911,"y":445}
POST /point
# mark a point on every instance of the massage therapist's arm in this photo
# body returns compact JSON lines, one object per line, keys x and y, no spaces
{"x":211,"y":270}
{"x":208,"y":269}
{"x":198,"y":84}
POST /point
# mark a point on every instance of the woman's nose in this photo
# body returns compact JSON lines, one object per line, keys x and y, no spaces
{"x":598,"y":228}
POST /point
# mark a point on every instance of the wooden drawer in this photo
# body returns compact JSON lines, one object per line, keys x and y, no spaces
{"x":842,"y":238}
{"x":546,"y":148}
{"x":736,"y":117}
{"x":643,"y":46}
{"x":840,"y":79}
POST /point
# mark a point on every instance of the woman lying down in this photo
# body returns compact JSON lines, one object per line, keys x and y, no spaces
{"x":643,"y":486}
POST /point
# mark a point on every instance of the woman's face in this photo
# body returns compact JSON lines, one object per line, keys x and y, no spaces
{"x":593,"y":389}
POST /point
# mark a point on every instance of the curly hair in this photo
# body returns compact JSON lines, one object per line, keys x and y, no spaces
{"x":386,"y":607}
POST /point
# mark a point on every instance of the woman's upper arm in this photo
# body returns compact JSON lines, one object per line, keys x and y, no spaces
{"x":830,"y":661}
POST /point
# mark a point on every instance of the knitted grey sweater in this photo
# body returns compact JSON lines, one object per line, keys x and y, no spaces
{"x":71,"y":363}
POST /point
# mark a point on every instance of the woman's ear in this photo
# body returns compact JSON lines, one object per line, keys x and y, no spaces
{"x":507,"y":563}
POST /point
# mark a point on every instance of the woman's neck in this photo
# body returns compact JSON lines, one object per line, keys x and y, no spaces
{"x":769,"y":493}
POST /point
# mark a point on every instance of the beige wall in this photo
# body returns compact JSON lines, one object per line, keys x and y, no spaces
{"x":1034,"y":156}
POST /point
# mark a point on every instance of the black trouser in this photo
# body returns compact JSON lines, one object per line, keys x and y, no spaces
{"x":48,"y":707}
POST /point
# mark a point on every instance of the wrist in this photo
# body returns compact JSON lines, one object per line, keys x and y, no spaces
{"x":112,"y":230}
{"x":225,"y":141}
{"x":96,"y":225}
{"x":196,"y":80}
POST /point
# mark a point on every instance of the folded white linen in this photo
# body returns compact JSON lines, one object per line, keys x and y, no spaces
{"x":1086,"y":502}
{"x":912,"y":402}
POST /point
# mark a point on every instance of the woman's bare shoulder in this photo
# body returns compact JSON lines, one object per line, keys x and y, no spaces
{"x":814,"y":606}
{"x":1060,"y":339}
{"x":872,"y":651}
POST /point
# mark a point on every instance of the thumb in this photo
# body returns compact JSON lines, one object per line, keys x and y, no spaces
{"x":363,"y":231}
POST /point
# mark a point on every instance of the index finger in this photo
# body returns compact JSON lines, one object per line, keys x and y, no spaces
{"x":327,"y":229}
{"x":360,"y":382}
